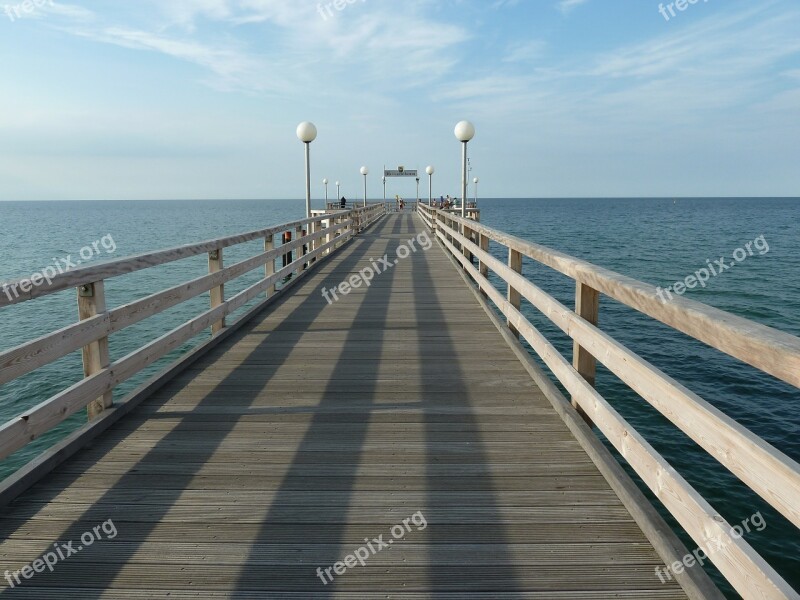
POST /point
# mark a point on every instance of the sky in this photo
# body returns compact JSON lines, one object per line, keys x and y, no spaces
{"x":200,"y":99}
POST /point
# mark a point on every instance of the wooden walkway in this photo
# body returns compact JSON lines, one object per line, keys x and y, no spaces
{"x":317,"y":426}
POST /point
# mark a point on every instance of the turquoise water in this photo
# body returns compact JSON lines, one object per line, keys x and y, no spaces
{"x":659,"y":241}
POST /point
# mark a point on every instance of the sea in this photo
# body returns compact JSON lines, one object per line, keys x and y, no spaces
{"x":661,"y":241}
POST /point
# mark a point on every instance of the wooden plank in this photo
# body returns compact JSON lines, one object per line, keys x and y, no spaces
{"x":28,"y":357}
{"x":148,"y":593}
{"x":459,"y":580}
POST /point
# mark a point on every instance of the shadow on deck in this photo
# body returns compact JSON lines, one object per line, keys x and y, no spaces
{"x":320,"y":427}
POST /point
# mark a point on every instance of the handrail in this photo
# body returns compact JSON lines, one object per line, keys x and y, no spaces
{"x":131,"y":264}
{"x":763,"y":468}
{"x":316,"y":238}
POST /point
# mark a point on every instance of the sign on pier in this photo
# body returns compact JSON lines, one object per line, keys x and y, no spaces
{"x":400,"y":172}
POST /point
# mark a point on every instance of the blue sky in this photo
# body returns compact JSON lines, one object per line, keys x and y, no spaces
{"x":149,"y":99}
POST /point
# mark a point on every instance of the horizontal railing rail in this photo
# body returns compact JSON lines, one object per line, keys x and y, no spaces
{"x":314,"y":239}
{"x":762,"y":467}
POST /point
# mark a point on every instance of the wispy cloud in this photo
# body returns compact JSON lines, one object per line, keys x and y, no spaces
{"x":385,"y":79}
{"x":303,"y":46}
{"x":526,"y":51}
{"x":681,"y":76}
{"x":567,"y":6}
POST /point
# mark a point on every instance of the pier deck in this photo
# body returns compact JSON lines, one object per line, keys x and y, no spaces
{"x":318,"y":425}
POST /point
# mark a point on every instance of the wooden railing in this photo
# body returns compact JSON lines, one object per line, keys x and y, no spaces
{"x":313,"y":239}
{"x":763,"y":468}
{"x":364,"y":216}
{"x":473,"y":212}
{"x":352,"y":205}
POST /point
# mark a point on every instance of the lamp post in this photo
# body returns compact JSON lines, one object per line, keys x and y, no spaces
{"x":307,"y":133}
{"x":338,"y":195}
{"x":429,"y":170}
{"x":365,"y":172}
{"x":325,"y":183}
{"x":384,"y":188}
{"x":417,"y":190}
{"x":476,"y":181}
{"x":464,"y":131}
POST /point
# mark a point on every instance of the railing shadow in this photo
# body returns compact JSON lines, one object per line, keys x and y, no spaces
{"x":133,"y":531}
{"x":499,"y":566}
{"x":329,"y":518}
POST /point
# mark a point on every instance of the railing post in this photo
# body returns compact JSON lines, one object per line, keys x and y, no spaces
{"x":467,"y":235}
{"x":269,"y":268}
{"x":300,"y":250}
{"x":328,"y":235}
{"x":312,"y":229}
{"x":514,"y":297}
{"x":92,"y":302}
{"x":483,"y":242}
{"x":587,"y":306}
{"x":217,"y":293}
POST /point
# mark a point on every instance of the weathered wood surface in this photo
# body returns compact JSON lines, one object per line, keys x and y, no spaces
{"x":748,"y":572}
{"x":319,"y":425}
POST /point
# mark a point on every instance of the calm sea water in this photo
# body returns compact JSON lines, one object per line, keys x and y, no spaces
{"x":659,"y":241}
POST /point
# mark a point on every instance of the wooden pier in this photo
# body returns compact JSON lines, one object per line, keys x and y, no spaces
{"x":320,"y":421}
